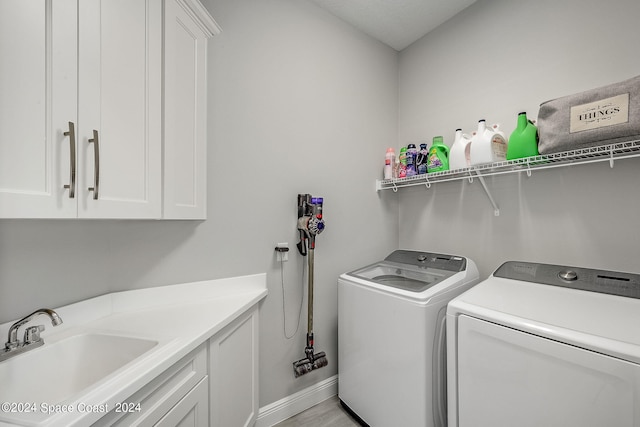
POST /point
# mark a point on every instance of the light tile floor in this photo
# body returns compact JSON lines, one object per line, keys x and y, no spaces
{"x":325,"y":414}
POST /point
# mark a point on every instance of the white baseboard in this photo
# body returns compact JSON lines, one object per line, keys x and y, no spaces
{"x":297,"y":402}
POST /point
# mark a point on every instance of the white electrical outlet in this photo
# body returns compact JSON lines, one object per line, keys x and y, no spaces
{"x":280,"y":254}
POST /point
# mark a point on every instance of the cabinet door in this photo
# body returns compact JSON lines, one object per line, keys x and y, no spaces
{"x":234,"y":373}
{"x":119,"y":100}
{"x":38,"y":80}
{"x":185,"y":143}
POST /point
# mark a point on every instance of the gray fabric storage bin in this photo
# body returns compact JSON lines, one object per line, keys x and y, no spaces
{"x":601,"y":116}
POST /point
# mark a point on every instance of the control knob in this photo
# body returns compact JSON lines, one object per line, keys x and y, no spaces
{"x":568,"y":275}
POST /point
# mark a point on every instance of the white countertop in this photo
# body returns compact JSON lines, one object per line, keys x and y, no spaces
{"x":179,"y":317}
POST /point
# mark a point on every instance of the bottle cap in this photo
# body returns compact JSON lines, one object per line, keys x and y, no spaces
{"x":390,"y":150}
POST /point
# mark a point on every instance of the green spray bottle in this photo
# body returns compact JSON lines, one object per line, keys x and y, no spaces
{"x":438,"y":159}
{"x":523,"y":142}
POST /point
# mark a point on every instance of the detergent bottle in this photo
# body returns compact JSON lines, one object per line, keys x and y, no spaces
{"x":422,"y":159}
{"x":402,"y":172}
{"x":488,"y":145}
{"x":438,"y":159}
{"x":523,"y":141}
{"x":500,"y":135}
{"x":459,"y":154}
{"x":412,"y":154}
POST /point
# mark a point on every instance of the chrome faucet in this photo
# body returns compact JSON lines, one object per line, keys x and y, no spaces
{"x":32,"y":338}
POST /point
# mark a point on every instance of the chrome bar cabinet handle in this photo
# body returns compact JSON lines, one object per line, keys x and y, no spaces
{"x":96,"y":159}
{"x":71,"y":133}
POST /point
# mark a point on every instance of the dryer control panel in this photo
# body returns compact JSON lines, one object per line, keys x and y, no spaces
{"x":586,"y":279}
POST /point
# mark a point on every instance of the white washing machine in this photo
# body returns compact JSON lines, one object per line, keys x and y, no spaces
{"x":391,"y":337}
{"x":545,"y":345}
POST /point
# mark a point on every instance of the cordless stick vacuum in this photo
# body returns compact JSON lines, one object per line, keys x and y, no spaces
{"x":310,"y":224}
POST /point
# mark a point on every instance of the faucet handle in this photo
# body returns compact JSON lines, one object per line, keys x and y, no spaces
{"x":32,"y":334}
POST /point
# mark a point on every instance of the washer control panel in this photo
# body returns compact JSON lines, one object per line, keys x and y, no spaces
{"x":428,"y":260}
{"x":586,"y":279}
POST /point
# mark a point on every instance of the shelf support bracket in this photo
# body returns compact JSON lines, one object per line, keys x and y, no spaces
{"x":496,"y":209}
{"x":427,"y":183}
{"x":611,"y":157}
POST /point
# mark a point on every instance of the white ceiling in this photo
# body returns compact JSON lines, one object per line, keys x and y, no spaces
{"x":397,"y":23}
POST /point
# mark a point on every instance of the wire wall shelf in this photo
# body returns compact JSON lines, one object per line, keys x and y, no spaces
{"x":602,"y":153}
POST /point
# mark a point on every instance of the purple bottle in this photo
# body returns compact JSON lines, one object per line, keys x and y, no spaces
{"x":412,"y":155}
{"x":422,"y":158}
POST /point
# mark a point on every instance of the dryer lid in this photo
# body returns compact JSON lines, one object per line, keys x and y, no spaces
{"x":586,"y":318}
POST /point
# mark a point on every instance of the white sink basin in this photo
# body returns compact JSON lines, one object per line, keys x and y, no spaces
{"x":55,"y":372}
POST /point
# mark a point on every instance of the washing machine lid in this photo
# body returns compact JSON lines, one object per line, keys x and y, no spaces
{"x":593,"y":309}
{"x":411,"y":270}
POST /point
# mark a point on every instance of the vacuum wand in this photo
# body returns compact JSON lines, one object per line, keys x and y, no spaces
{"x":310,"y":224}
{"x":310,"y":295}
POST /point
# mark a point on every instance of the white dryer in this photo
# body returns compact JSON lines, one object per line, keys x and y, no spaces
{"x":391,"y":337}
{"x":545,"y":345}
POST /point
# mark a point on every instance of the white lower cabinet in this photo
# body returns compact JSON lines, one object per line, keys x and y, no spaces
{"x":178,"y":390}
{"x":192,"y":410}
{"x":215,"y":385}
{"x":233,"y":367}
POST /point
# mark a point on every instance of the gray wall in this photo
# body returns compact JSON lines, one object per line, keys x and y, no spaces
{"x":495,"y":59}
{"x":299,"y":102}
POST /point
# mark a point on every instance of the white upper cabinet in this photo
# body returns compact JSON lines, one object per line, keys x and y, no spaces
{"x":120,"y":105}
{"x":187,"y":28}
{"x":38,"y":87}
{"x":81,"y":110}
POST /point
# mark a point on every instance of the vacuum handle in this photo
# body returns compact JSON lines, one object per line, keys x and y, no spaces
{"x":302,"y":246}
{"x":303,"y":201}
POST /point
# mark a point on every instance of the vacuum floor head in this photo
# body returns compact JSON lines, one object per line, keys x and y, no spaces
{"x":306,"y":365}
